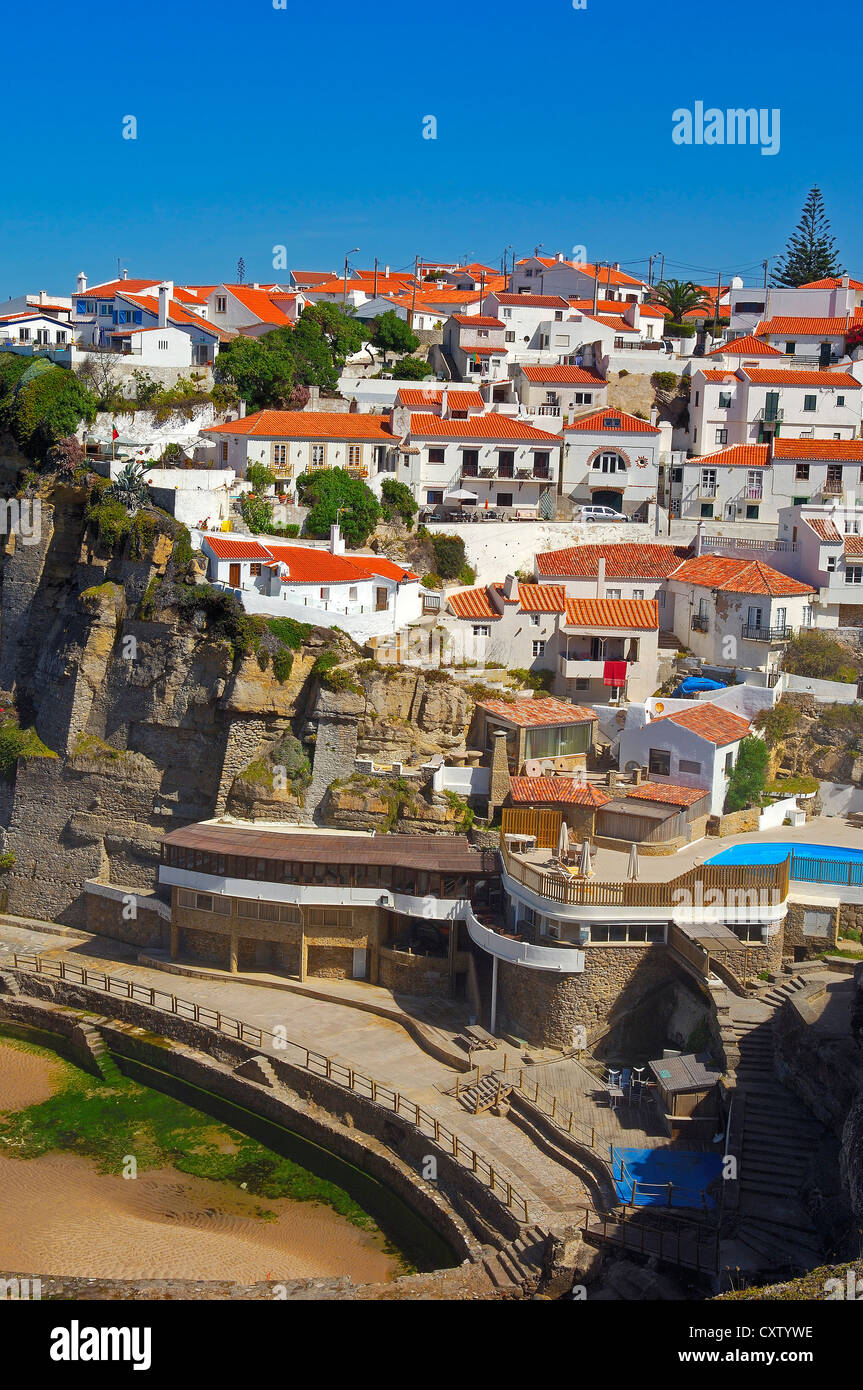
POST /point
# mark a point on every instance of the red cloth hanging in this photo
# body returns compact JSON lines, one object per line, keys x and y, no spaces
{"x":614,"y":673}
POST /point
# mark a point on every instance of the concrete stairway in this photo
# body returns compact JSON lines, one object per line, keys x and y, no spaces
{"x":98,"y":1050}
{"x":518,"y":1265}
{"x":779,"y":1134}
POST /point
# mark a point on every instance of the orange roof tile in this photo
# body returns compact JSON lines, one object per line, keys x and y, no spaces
{"x":830,"y":449}
{"x":802,"y":327}
{"x":432,"y":395}
{"x":823,"y":528}
{"x":308,"y":565}
{"x":779,"y":377}
{"x":491,"y":426}
{"x":477,"y":321}
{"x":564,"y":376}
{"x":308,"y":424}
{"x":717,"y":375}
{"x":736,"y":576}
{"x":601,"y":421}
{"x":612,"y":612}
{"x":853,"y":545}
{"x":710,"y":722}
{"x":529,"y":714}
{"x":748,"y":345}
{"x":565,"y":791}
{"x":226,"y":548}
{"x":832,"y":282}
{"x":627,"y":561}
{"x":736,"y":456}
{"x":472,"y":603}
{"x":532,"y":301}
{"x":542,"y":598}
{"x":666,"y":793}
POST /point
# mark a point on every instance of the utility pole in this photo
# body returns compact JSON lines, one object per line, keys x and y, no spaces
{"x":596,"y":270}
{"x":716,"y":305}
{"x":375,"y":290}
{"x":650,"y":261}
{"x":662,"y":268}
{"x":481,"y":289}
{"x":414,"y":291}
{"x":765,"y":265}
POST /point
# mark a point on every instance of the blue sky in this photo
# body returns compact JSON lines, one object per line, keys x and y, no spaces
{"x":259,"y":127}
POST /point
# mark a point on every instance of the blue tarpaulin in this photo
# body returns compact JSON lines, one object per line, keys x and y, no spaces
{"x":693,"y":684}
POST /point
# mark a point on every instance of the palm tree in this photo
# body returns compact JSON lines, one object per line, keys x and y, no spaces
{"x":680,"y":297}
{"x":130,"y":488}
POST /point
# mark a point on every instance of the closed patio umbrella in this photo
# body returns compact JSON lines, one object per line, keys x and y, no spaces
{"x":633,"y":861}
{"x":584,"y":865}
{"x":563,"y":840}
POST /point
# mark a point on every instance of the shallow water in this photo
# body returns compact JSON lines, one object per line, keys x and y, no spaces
{"x":62,"y":1216}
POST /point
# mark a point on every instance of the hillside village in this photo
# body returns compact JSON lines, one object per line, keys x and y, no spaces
{"x":480,"y":647}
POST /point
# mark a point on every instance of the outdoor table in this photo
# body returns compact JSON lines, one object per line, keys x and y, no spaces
{"x":615,"y":1093}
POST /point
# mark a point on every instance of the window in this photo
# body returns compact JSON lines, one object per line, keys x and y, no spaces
{"x":721,"y":437}
{"x":355,"y":454}
{"x":749,"y":306}
{"x":319,"y":454}
{"x":638,"y":593}
{"x":163,"y":344}
{"x":729,"y":761}
{"x":504,"y":499}
{"x":538,"y":648}
{"x":801,"y":471}
{"x":506,"y":463}
{"x":854,"y":574}
{"x":224,"y":450}
{"x":687,"y":765}
{"x":280,"y":454}
{"x":809,"y":402}
{"x":437,"y":455}
{"x":221,"y":303}
{"x":707,"y":509}
{"x":751,"y":512}
{"x":507,"y":313}
{"x":724,"y":400}
{"x":482,"y":630}
{"x":557,"y":741}
{"x":659,"y":762}
{"x":798,"y":501}
{"x":790,"y":348}
{"x":696,"y":398}
{"x":584,"y":398}
{"x":534,"y":620}
{"x":256,"y":569}
{"x":817,"y":923}
{"x":840,"y":400}
{"x":325,"y":593}
{"x":352,"y":593}
{"x":509,"y":336}
{"x":754,"y":618}
{"x":582,"y":683}
{"x":434,"y":497}
{"x":613,"y":593}
{"x":831,"y":564}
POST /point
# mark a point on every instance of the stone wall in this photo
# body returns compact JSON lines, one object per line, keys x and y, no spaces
{"x":734,"y":823}
{"x":420,"y":975}
{"x":108,"y":916}
{"x":804,"y":946}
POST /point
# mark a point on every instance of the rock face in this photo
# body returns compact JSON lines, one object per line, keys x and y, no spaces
{"x":156,"y":724}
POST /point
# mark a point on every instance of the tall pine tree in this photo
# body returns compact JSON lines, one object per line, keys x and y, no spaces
{"x":809,"y":253}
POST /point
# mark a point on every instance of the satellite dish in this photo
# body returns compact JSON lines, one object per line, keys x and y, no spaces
{"x":632,"y":766}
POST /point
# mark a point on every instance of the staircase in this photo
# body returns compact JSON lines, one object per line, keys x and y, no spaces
{"x":779,"y":1135}
{"x":517,"y":1267}
{"x":98,"y":1050}
{"x":483,"y":1094}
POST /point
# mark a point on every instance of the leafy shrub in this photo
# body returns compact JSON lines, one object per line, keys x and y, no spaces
{"x":746,"y":782}
{"x":18,"y":743}
{"x":283,"y":664}
{"x":678,"y":330}
{"x":777,"y":723}
{"x":326,"y":670}
{"x":46,"y":407}
{"x":260,"y":476}
{"x":819,"y":657}
{"x":289,"y":632}
{"x":397,"y":500}
{"x":663,"y":381}
{"x":332,"y":494}
{"x":449,"y":554}
{"x":534,"y":680}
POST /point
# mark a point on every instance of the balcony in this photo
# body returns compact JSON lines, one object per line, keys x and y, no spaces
{"x":708,"y":490}
{"x":547,"y":410}
{"x":771,"y":415}
{"x":700,"y":623}
{"x":753,"y":632}
{"x":751,"y":494}
{"x":581,"y":668}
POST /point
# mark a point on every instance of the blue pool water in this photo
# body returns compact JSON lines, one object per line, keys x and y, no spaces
{"x":774,"y":854}
{"x":651,"y":1170}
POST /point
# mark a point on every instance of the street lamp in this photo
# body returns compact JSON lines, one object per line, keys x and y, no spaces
{"x":352,"y":252}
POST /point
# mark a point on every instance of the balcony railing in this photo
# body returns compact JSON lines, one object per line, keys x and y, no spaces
{"x":752,"y":494}
{"x":547,"y":410}
{"x":706,"y":490}
{"x":833,"y":487}
{"x":771,"y":415}
{"x":753,"y":632}
{"x":700,"y":623}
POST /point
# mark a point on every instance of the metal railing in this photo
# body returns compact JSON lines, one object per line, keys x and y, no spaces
{"x":314,"y":1062}
{"x":753,"y":632}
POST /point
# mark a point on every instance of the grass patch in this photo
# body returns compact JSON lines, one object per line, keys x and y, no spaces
{"x":792,"y":786}
{"x":18,"y":743}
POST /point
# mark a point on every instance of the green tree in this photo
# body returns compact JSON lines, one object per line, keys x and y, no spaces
{"x":411,"y":369}
{"x":820,"y":657}
{"x":260,"y":476}
{"x":261,"y":372}
{"x":334,"y":496}
{"x":449,"y":556}
{"x":391,"y":334}
{"x":680,"y":297}
{"x":397,"y":500}
{"x":810,"y":252}
{"x":746,"y":783}
{"x":47,"y":406}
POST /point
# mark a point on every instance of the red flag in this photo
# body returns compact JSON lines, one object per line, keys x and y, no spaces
{"x":115,"y":433}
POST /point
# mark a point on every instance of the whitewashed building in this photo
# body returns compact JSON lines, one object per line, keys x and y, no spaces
{"x":696,"y":747}
{"x":611,"y":459}
{"x":750,"y":404}
{"x":754,"y":482}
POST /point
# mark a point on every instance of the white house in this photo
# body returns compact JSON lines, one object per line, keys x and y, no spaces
{"x":34,"y":328}
{"x":365,"y":594}
{"x":290,"y":442}
{"x":695,"y":747}
{"x":475,"y":342}
{"x":830,"y":298}
{"x":750,"y":404}
{"x":611,"y":459}
{"x":620,"y":571}
{"x":244,"y":307}
{"x":576,"y":279}
{"x":555,"y":393}
{"x":753,"y":482}
{"x":736,"y":612}
{"x":823,"y":546}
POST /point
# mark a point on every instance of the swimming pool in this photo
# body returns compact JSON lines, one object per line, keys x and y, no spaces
{"x":774,"y":853}
{"x":809,"y":863}
{"x":648,"y":1172}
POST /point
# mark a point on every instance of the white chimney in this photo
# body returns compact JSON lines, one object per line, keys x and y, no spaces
{"x":241,"y":410}
{"x":164,"y":298}
{"x":510,"y":586}
{"x":43,"y":295}
{"x":125,"y":273}
{"x":337,"y":540}
{"x":386,"y":272}
{"x":699,"y":537}
{"x":559,"y":256}
{"x":82,"y":282}
{"x":600,"y":577}
{"x":255,"y":285}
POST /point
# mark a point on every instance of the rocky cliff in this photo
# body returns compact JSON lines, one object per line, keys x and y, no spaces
{"x":159,"y":718}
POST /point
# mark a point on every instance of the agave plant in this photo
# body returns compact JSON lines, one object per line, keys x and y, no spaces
{"x":130,"y":488}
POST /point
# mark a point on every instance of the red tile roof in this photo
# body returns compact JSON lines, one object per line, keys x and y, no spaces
{"x":529,"y":714}
{"x":832,"y":282}
{"x":473,"y":603}
{"x":823,"y":528}
{"x":565,"y":791}
{"x":779,"y":377}
{"x":532,"y":301}
{"x":564,"y":376}
{"x":491,"y":426}
{"x":830,"y":449}
{"x":717,"y":375}
{"x":307,"y":565}
{"x":666,"y":793}
{"x":177,"y":314}
{"x":853,"y":545}
{"x":259,"y":303}
{"x":486,"y":351}
{"x":308,"y":424}
{"x":542,"y":598}
{"x":748,"y":345}
{"x":601,"y":421}
{"x":801,"y":327}
{"x":112,"y":287}
{"x":477,"y":321}
{"x":612,"y":612}
{"x":737,"y":456}
{"x":627,"y":561}
{"x":710,"y":722}
{"x":431,"y":395}
{"x":736,"y":576}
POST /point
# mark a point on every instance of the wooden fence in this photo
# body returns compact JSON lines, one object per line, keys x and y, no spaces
{"x":316,"y":1063}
